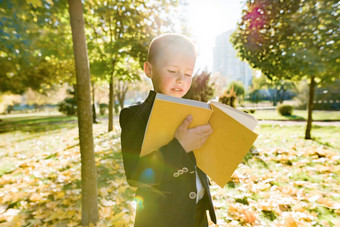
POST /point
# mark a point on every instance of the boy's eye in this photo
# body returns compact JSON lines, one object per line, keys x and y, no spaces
{"x":188,"y":75}
{"x":171,"y":71}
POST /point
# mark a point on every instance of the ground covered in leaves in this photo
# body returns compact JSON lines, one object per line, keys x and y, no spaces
{"x":283,"y":181}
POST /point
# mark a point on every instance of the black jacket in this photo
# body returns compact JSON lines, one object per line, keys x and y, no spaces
{"x":166,"y":180}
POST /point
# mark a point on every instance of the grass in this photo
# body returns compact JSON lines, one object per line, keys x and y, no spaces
{"x":6,"y":167}
{"x":284,"y":181}
{"x":292,"y":167}
{"x":283,"y":135}
{"x":35,"y":122}
{"x":318,"y":115}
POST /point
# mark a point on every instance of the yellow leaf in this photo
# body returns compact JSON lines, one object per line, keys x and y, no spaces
{"x":59,"y":195}
{"x":52,"y":204}
{"x":249,"y":216}
{"x":121,"y":189}
{"x":103,"y":192}
{"x":106,"y":212}
{"x":298,"y":207}
{"x":35,"y":3}
{"x":291,"y":222}
{"x":117,"y":217}
{"x":326,"y":202}
{"x":35,"y":197}
{"x":120,"y":223}
{"x":9,"y":215}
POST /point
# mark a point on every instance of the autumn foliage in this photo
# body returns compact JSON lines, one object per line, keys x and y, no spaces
{"x":202,"y":89}
{"x":284,"y":181}
{"x":229,"y":98}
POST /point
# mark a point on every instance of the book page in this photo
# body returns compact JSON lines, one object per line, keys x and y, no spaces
{"x":246,"y":119}
{"x":183,"y":101}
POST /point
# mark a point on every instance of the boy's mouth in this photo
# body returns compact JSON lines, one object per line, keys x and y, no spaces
{"x":176,"y":89}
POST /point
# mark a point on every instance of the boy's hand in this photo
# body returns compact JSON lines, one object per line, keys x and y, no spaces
{"x":194,"y":138}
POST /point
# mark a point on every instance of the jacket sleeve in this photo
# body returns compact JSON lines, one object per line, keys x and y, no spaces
{"x":155,"y":168}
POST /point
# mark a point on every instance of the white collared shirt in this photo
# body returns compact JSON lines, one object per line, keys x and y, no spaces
{"x":199,"y":187}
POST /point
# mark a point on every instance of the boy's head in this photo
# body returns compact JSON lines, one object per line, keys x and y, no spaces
{"x":170,"y":64}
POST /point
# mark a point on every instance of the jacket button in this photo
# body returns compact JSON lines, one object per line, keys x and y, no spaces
{"x":175,"y":174}
{"x":192,"y":195}
{"x":185,"y":169}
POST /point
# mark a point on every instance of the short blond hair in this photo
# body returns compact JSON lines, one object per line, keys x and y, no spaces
{"x":165,"y":42}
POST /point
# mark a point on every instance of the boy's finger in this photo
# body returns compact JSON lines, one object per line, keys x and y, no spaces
{"x":203,"y":128}
{"x":207,"y":127}
{"x":204,"y":133}
{"x":207,"y":133}
{"x":185,"y":124}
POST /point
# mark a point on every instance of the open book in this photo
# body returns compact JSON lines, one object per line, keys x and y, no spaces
{"x":225,"y":148}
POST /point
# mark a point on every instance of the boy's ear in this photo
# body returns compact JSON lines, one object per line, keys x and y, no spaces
{"x":148,"y":69}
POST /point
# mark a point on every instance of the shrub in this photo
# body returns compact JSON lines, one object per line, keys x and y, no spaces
{"x":68,"y":106}
{"x":228,"y":98}
{"x":238,"y":88}
{"x":255,"y":96}
{"x":285,"y":110}
{"x":102,"y":108}
{"x":201,"y":88}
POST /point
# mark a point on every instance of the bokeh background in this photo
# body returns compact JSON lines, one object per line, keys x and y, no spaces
{"x":276,"y":60}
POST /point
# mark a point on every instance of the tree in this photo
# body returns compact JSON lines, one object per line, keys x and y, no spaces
{"x":120,"y":30}
{"x":291,"y":40}
{"x":238,"y":88}
{"x":94,"y":115}
{"x":88,"y":165}
{"x":35,"y":45}
{"x":228,"y":98}
{"x":255,"y":96}
{"x":126,"y":72}
{"x":202,"y":89}
{"x":276,"y":89}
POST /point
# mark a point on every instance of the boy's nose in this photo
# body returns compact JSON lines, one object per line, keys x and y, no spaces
{"x":180,"y":76}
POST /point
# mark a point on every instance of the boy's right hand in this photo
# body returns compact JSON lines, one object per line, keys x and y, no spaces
{"x":193,"y":138}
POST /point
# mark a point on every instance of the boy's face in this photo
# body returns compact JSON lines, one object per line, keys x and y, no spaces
{"x":172,"y":73}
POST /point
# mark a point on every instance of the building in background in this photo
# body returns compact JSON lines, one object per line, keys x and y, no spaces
{"x":227,"y":64}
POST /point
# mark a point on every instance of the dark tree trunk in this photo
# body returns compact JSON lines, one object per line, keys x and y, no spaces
{"x":88,"y":167}
{"x":310,"y":108}
{"x":94,"y":116}
{"x":122,"y":90}
{"x":111,"y":97}
{"x":276,"y":97}
{"x":282,"y":96}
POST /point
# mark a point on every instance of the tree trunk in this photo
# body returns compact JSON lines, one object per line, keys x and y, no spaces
{"x":276,"y":96}
{"x":88,"y":167}
{"x":111,"y":97}
{"x":310,"y":108}
{"x":125,"y":88}
{"x":94,"y":116}
{"x":282,"y":96}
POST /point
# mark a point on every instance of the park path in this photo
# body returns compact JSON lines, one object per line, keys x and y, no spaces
{"x":321,"y":123}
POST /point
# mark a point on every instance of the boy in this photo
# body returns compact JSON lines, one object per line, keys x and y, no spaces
{"x":172,"y":191}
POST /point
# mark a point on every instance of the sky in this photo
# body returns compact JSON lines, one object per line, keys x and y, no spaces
{"x":207,"y":19}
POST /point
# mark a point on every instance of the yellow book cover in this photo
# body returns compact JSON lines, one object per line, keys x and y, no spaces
{"x":166,"y":115}
{"x":227,"y":145}
{"x":225,"y":148}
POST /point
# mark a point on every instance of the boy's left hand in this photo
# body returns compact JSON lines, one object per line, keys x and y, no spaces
{"x":193,"y":138}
